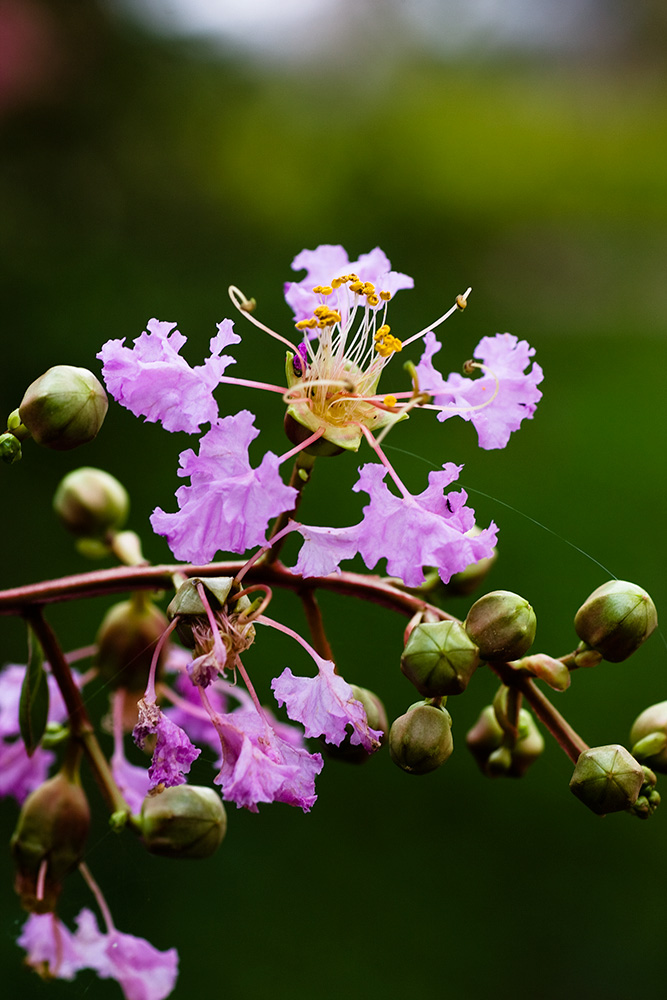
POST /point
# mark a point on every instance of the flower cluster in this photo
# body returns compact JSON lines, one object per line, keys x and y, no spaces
{"x":333,"y":404}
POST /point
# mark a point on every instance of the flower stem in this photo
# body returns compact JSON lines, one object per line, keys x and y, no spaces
{"x":80,"y":724}
{"x":316,"y":624}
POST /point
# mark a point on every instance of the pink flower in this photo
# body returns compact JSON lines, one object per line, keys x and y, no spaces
{"x":410,"y":532}
{"x":326,"y":706}
{"x":229,"y":504}
{"x":173,"y":754}
{"x":153,"y":381}
{"x":259,"y":766}
{"x":495,"y":408}
{"x":327,"y":262}
{"x":143,"y":972}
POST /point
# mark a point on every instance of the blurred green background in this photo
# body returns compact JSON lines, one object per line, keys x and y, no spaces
{"x":143,"y":170}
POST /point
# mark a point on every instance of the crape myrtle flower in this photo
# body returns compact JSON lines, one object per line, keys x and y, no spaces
{"x":153,"y":381}
{"x":332,"y":374}
{"x":173,"y":754}
{"x":507,"y":357}
{"x":143,"y":972}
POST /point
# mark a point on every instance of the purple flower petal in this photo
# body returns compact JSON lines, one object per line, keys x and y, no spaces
{"x":517,"y":394}
{"x":173,"y":754}
{"x":327,"y":262}
{"x":229,"y":504}
{"x":51,"y":948}
{"x":143,"y":972}
{"x":153,"y":381}
{"x":259,"y":766}
{"x":326,"y":706}
{"x":430,"y":529}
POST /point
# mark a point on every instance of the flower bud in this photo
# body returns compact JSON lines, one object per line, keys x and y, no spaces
{"x":616,"y":619}
{"x":439,"y":658}
{"x":377,"y":719}
{"x":10,"y":448}
{"x":502,"y":625}
{"x":126,"y":641}
{"x":184,"y":821}
{"x":648,"y":799}
{"x":421,"y":740}
{"x":49,"y":841}
{"x":648,"y":737}
{"x":64,"y":408}
{"x":607,"y":779}
{"x":90,"y":502}
{"x":485,"y":742}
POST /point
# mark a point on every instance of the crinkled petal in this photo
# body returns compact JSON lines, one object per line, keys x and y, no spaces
{"x":324,"y":549}
{"x":430,"y":529}
{"x":143,"y":972}
{"x":152,"y":380}
{"x":326,"y":706}
{"x":173,"y":754}
{"x":515,"y":400}
{"x":259,"y":766}
{"x":329,"y":261}
{"x":229,"y":504}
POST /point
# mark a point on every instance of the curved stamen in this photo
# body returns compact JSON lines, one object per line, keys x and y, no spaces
{"x":385,"y":461}
{"x":243,"y":305}
{"x":427,"y":329}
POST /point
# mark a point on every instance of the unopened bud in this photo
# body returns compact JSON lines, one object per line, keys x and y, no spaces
{"x":49,"y":841}
{"x":616,"y":619}
{"x":126,"y":641}
{"x":185,"y":821}
{"x":377,"y":719}
{"x":502,"y":625}
{"x":421,"y":740}
{"x":494,"y":759}
{"x":648,"y":737}
{"x":90,"y":502}
{"x":64,"y":408}
{"x":439,"y":658}
{"x":607,"y":779}
{"x":10,"y":448}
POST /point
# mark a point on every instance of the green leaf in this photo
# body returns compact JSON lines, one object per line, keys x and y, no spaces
{"x":34,"y":700}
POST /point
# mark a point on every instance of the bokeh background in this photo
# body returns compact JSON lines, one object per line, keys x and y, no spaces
{"x":152,"y":153}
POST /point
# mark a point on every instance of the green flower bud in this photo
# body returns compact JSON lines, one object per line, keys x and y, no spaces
{"x":648,"y":737}
{"x":616,"y":619}
{"x":126,"y":642}
{"x":607,"y":779}
{"x":64,"y":408}
{"x":185,"y":821}
{"x":502,"y":625}
{"x":421,"y":740}
{"x":377,"y":719}
{"x":90,"y":502}
{"x":648,"y":799}
{"x":486,"y":743}
{"x":439,"y":658}
{"x":49,"y":841}
{"x":10,"y":448}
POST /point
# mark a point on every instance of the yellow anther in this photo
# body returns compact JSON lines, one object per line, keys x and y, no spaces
{"x":305,"y":324}
{"x":356,"y":286}
{"x":382,"y":331}
{"x":337,"y":282}
{"x":353,"y":277}
{"x":387,"y":345}
{"x":326,"y":289}
{"x":317,"y":288}
{"x":372,"y":299}
{"x":369,"y":287}
{"x":320,"y":311}
{"x":461,"y":303}
{"x":390,"y":400}
{"x":385,"y":296}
